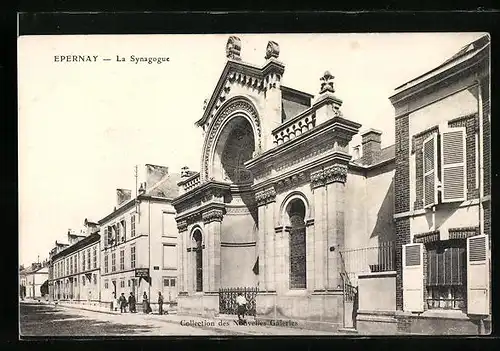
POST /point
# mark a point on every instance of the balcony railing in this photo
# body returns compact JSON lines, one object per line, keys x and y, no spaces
{"x":293,"y":128}
{"x":374,"y":259}
{"x":191,"y":182}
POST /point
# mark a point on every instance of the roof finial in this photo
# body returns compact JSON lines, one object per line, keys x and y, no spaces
{"x":327,"y":83}
{"x":233,"y":48}
{"x":272,"y":50}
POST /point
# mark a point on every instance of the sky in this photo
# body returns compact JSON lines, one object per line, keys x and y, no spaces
{"x":83,"y":126}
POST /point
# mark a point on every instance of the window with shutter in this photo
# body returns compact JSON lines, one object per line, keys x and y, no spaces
{"x":413,"y":278}
{"x":430,"y":170}
{"x":446,"y":274}
{"x":478,"y":269}
{"x":453,"y":158}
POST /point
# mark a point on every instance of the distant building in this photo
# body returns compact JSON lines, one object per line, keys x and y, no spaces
{"x":75,"y":267}
{"x":34,"y":278}
{"x":139,"y":238}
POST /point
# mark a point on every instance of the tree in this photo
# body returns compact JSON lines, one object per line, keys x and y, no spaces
{"x":44,"y":289}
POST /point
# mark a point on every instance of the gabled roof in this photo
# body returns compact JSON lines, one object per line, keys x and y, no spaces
{"x":239,"y":67}
{"x":464,"y":54}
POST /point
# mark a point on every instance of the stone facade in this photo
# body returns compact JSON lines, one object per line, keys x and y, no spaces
{"x":273,"y":204}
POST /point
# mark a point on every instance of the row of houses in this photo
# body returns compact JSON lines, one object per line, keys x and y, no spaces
{"x":284,"y":210}
{"x":131,"y":249}
{"x":32,"y":280}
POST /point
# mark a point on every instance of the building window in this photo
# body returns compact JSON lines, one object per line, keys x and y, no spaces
{"x":95,"y":278}
{"x":75,"y":264}
{"x":297,"y":239}
{"x":132,"y":257}
{"x":88,"y":259}
{"x":113,"y":262}
{"x":83,"y":280}
{"x":94,"y":256}
{"x":446,"y":275}
{"x":123,"y":230}
{"x":198,"y":249}
{"x":122,"y":283}
{"x":166,"y":282}
{"x":172,"y":282}
{"x":106,"y":284}
{"x":106,"y":263}
{"x":71,"y":265}
{"x":122,"y":260}
{"x":84,"y":268}
{"x":132,"y":225}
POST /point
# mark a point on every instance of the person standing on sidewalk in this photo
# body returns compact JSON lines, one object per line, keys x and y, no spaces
{"x":160,"y":303}
{"x":113,"y":301}
{"x":145,"y":303}
{"x":242,"y":307}
{"x":123,"y":303}
{"x":131,"y":303}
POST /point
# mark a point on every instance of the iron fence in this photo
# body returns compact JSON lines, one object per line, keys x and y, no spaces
{"x":379,"y":258}
{"x":227,"y":300}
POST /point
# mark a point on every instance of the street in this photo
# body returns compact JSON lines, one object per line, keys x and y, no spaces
{"x":42,"y":319}
{"x":48,"y":320}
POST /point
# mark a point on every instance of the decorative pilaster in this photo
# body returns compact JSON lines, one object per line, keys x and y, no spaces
{"x":181,"y":253}
{"x":328,"y":185}
{"x":212,"y":221}
{"x":265,"y":245}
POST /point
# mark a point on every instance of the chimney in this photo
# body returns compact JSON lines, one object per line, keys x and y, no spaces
{"x":154,"y":174}
{"x":370,"y":143}
{"x":123,"y":195}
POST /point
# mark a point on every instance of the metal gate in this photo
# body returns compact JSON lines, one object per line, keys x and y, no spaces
{"x":227,"y":300}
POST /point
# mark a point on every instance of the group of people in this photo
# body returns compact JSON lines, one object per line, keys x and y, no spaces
{"x":123,"y":303}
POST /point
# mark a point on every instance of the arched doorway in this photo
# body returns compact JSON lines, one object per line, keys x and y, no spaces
{"x":235,"y":146}
{"x":198,"y":251}
{"x":296,"y":212}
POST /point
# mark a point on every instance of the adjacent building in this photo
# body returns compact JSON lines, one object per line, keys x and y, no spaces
{"x":139,"y":240}
{"x":280,"y":210}
{"x":76,"y":267}
{"x":443,"y":205}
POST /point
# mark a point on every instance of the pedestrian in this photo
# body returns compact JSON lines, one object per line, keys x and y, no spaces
{"x":160,"y":303}
{"x":123,"y":303}
{"x":145,"y":303}
{"x":113,"y":301}
{"x":242,"y":307}
{"x":131,"y":303}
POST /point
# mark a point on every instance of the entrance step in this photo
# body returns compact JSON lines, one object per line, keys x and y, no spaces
{"x":348,"y":330}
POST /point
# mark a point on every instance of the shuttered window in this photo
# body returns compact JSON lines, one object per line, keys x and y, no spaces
{"x":413,"y":278}
{"x":430,"y":170}
{"x":453,"y":164}
{"x":446,"y":274}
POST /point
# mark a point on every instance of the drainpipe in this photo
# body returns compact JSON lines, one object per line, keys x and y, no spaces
{"x":480,"y":158}
{"x":149,"y":250}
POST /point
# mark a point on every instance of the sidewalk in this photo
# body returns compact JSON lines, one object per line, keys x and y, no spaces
{"x":225,"y":324}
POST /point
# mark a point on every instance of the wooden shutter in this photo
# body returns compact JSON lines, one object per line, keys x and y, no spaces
{"x":430,"y":170}
{"x":413,"y":278}
{"x":478,"y":275}
{"x":453,"y":172}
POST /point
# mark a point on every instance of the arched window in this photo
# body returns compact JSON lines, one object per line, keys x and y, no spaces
{"x":198,"y":249}
{"x":296,"y":213}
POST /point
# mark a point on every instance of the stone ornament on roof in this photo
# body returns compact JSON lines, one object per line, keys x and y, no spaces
{"x":327,"y":83}
{"x":272,"y":50}
{"x":233,"y":48}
